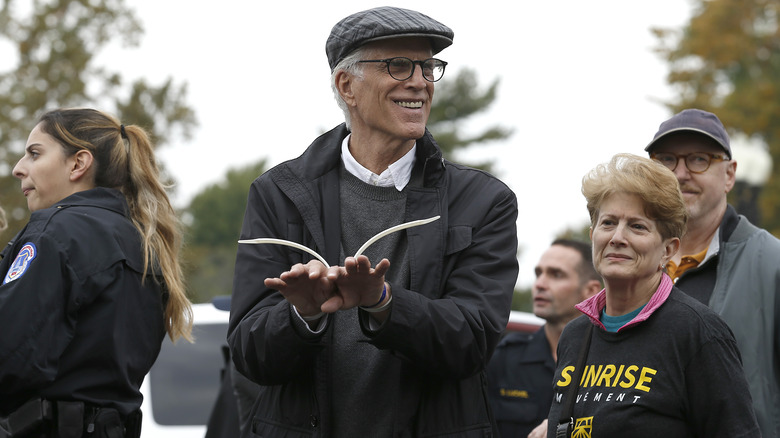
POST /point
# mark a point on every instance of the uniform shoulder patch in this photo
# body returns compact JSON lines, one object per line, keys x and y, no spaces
{"x":22,"y":262}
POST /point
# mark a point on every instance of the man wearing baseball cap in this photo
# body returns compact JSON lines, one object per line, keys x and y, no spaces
{"x":725,"y":261}
{"x":393,"y":342}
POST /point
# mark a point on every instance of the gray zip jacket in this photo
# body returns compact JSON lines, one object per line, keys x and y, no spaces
{"x":746,"y":294}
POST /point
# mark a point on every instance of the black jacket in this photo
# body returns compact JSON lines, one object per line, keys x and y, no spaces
{"x":520,"y":378}
{"x":76,"y":322}
{"x":444,"y":326}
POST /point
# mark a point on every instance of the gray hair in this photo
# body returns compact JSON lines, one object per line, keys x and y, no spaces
{"x":351,"y":66}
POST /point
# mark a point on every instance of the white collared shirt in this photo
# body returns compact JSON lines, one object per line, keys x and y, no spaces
{"x":397,"y":174}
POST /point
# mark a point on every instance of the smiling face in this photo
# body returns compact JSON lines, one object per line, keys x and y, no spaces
{"x":627,"y":246}
{"x":558,"y":286}
{"x":44,"y":171}
{"x":383,"y":109}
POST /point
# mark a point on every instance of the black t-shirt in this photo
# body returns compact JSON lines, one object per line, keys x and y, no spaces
{"x":677,"y":374}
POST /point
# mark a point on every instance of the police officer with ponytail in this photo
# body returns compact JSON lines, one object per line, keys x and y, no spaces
{"x":91,"y":285}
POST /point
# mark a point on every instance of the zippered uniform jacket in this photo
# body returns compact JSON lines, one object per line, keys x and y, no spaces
{"x":77,"y":322}
{"x":519,"y":377}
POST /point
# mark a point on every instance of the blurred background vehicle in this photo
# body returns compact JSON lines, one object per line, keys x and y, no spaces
{"x":182,"y":386}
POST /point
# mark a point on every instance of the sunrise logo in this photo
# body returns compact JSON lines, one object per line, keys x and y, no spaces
{"x":582,"y":428}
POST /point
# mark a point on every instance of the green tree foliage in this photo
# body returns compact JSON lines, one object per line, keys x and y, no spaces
{"x":216,"y":212}
{"x":54,"y":45}
{"x":522,"y":300}
{"x":208,"y":271}
{"x":214,"y":219}
{"x":455,"y":101}
{"x":726,"y":60}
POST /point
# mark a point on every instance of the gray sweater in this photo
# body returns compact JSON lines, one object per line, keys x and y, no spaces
{"x":366,"y":383}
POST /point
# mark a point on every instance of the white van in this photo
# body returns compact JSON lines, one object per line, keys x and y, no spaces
{"x":182,"y":386}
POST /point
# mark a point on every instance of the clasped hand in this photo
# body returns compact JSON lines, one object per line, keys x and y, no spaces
{"x":313,"y":288}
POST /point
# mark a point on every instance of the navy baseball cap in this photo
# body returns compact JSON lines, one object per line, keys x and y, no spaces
{"x":694,"y":120}
{"x":383,"y":23}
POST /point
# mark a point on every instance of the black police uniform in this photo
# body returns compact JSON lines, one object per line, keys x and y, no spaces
{"x":520,"y":387}
{"x":77,"y":322}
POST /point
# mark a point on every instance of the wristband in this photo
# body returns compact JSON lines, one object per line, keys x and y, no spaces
{"x":382,"y":308}
{"x":382,"y":298}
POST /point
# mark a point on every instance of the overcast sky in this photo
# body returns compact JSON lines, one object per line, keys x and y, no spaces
{"x":579,"y":83}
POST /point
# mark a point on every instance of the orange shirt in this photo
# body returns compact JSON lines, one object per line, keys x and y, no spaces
{"x":686,"y":262}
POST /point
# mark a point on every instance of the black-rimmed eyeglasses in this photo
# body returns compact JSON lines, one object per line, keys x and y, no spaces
{"x":697,"y":162}
{"x":401,"y":68}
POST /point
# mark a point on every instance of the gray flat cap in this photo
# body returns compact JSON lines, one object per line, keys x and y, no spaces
{"x":383,"y":23}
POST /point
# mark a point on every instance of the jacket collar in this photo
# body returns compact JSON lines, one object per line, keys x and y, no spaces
{"x":324,"y":155}
{"x":593,"y":306}
{"x":728,"y":225}
{"x":101,"y":197}
{"x":734,"y":227}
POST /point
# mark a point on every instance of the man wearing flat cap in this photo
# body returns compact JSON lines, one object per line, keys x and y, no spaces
{"x":724,"y":261}
{"x":393,"y":342}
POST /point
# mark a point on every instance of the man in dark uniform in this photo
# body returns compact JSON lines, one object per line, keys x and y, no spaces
{"x":521,"y":371}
